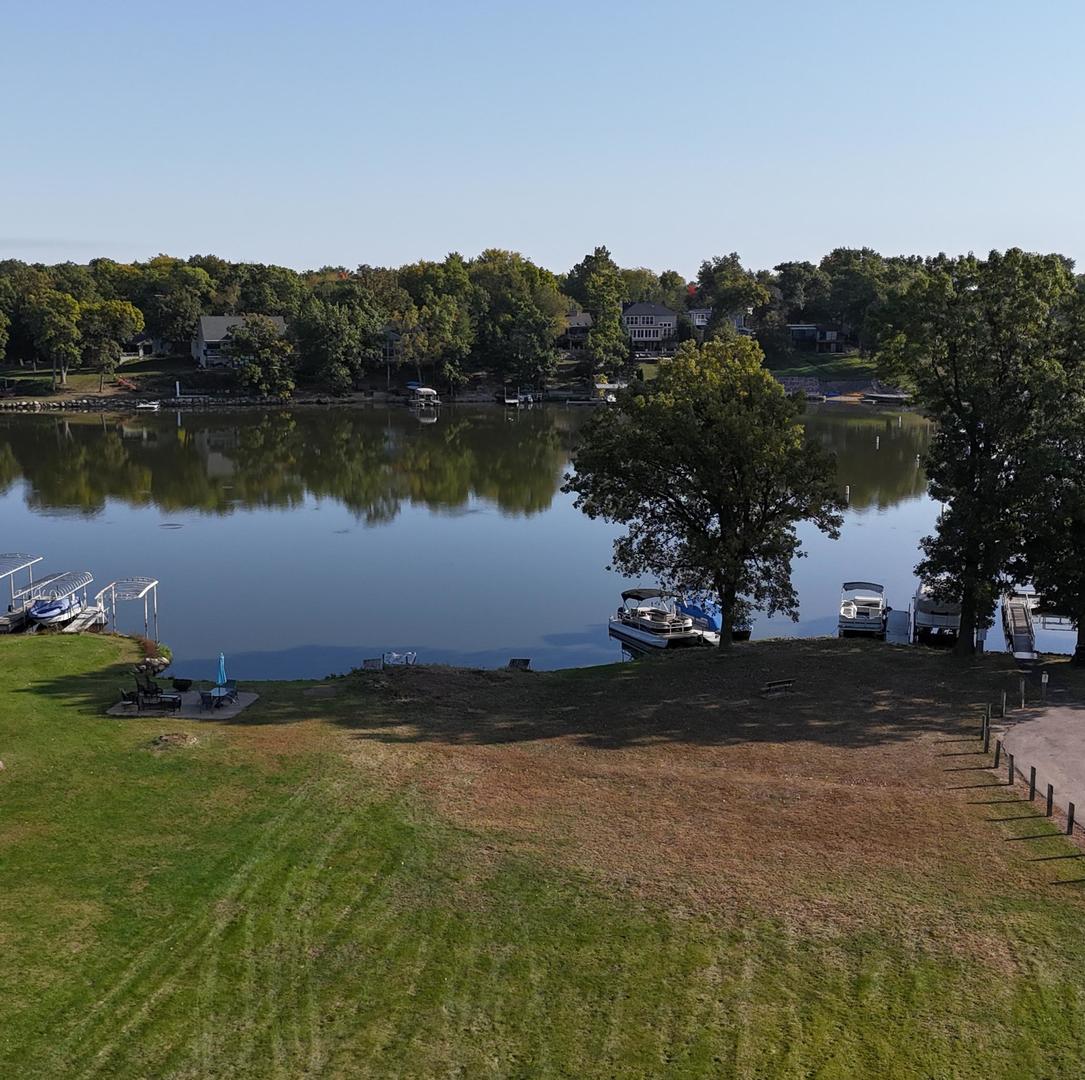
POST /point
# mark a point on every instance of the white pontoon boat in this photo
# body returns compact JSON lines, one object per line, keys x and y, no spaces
{"x":649,"y":619}
{"x":863,"y":609}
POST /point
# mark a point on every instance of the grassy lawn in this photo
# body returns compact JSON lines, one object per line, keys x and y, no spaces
{"x":154,"y":375}
{"x":826,"y":366}
{"x":638,"y":871}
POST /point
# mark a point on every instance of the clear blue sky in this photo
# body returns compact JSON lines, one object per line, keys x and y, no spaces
{"x":349,"y":132}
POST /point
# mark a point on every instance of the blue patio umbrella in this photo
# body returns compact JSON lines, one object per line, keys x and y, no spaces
{"x":222,"y":670}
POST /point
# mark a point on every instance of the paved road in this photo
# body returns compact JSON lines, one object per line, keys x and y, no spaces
{"x":1053,"y":740}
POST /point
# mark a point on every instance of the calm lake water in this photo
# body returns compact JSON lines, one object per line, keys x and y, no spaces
{"x":300,"y":542}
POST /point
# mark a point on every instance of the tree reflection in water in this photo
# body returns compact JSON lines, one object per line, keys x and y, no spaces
{"x":373,"y":461}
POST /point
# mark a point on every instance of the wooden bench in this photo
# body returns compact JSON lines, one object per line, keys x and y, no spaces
{"x":777,"y":686}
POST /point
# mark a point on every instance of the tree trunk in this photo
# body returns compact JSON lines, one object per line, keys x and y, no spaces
{"x":1079,"y":650}
{"x":726,"y":595}
{"x":966,"y":635}
{"x":54,"y":388}
{"x":101,"y":380}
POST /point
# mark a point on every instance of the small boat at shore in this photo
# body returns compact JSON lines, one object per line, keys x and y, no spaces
{"x":148,"y":406}
{"x":706,"y":618}
{"x":59,"y":598}
{"x":423,"y":397}
{"x":863,"y":608}
{"x":934,"y":621}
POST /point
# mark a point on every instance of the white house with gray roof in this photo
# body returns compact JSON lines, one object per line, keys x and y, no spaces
{"x":211,"y":332}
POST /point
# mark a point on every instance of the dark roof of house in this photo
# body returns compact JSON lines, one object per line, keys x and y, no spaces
{"x":215,"y":327}
{"x":580,"y":319}
{"x":646,"y":308}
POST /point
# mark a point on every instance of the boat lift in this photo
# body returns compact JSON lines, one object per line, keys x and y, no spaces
{"x":134,"y":588}
{"x":11,"y":565}
{"x":58,"y":587}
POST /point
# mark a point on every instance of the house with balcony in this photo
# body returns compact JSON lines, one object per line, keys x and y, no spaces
{"x":650,"y":327}
{"x":810,"y":337}
{"x":211,"y":332}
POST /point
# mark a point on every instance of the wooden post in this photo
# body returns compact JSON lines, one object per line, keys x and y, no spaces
{"x":1009,"y":768}
{"x":1050,"y":799}
{"x":987,"y":739}
{"x":1069,"y":819}
{"x":1032,"y":783}
{"x":998,"y":751}
{"x":1022,"y":693}
{"x":1003,"y":713}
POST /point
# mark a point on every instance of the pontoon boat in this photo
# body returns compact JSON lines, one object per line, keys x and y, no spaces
{"x":863,"y":609}
{"x":649,"y":619}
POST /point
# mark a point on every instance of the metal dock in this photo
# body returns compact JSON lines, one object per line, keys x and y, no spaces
{"x":1017,"y":622}
{"x":898,"y":627}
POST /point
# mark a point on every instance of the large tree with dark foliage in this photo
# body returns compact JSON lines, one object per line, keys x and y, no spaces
{"x":709,"y":471}
{"x":986,"y":346}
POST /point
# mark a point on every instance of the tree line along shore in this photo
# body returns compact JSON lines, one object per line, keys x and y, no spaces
{"x":498,"y":314}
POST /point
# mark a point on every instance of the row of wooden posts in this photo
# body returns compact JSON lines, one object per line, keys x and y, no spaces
{"x":1011,"y":771}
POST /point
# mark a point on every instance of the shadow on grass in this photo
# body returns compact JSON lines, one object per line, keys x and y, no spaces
{"x":848,"y":693}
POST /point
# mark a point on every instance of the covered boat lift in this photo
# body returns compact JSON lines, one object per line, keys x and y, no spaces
{"x":11,"y":565}
{"x":61,"y":586}
{"x":133,"y":588}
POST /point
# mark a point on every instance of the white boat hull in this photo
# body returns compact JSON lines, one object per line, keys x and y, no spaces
{"x":60,"y":617}
{"x":646,"y":639}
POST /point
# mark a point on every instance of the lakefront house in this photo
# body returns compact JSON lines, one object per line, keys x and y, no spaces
{"x":649,"y":326}
{"x":211,"y":332}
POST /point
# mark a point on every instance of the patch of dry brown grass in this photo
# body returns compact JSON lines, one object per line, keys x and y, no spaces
{"x":842,"y":803}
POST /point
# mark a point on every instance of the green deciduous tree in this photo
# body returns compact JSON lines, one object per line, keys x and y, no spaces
{"x":336,"y":341}
{"x":53,"y":319}
{"x":172,"y":296}
{"x":262,"y":358}
{"x":104,"y":326}
{"x":608,"y":347}
{"x":708,"y":470}
{"x":986,"y":347}
{"x":724,"y":285}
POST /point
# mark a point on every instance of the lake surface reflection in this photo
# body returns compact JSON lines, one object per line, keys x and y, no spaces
{"x":300,"y":542}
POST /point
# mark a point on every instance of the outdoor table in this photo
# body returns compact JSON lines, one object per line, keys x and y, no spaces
{"x":218,"y":695}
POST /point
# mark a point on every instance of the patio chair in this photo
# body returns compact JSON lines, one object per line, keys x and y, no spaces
{"x":147,"y":687}
{"x":206,"y":700}
{"x":230,"y":685}
{"x":130,"y":697}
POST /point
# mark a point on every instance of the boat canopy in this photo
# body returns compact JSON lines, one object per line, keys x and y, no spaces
{"x":133,"y":588}
{"x":642,"y":594}
{"x":58,"y":586}
{"x":425,"y":391}
{"x":850,"y":586}
{"x":12,"y":562}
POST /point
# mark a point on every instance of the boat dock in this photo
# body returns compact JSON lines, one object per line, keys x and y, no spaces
{"x":898,"y":627}
{"x":90,"y":618}
{"x":1017,"y":622}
